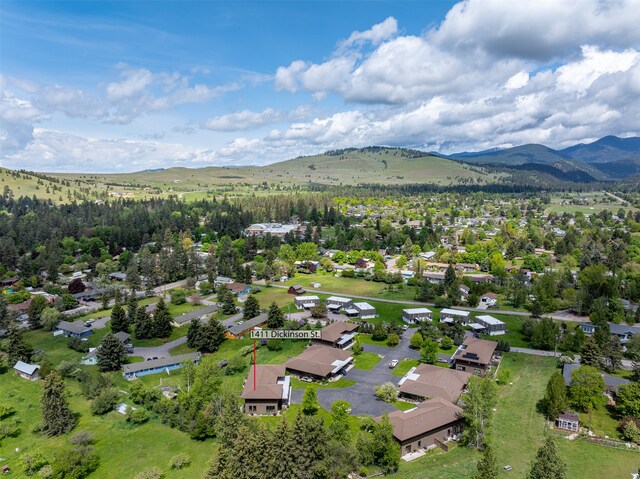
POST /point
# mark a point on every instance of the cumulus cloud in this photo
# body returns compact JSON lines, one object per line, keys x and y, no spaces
{"x":243,"y":120}
{"x":376,"y":34}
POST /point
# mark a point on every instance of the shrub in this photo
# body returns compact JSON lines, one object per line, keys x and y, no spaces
{"x":387,"y":392}
{"x":180,"y":461}
{"x":68,"y":369}
{"x":631,"y":432}
{"x":393,"y":340}
{"x":236,"y":364}
{"x":83,"y":438}
{"x":150,"y":473}
{"x":78,"y":345}
{"x":274,"y":345}
{"x":504,"y":346}
{"x":106,"y":401}
{"x":446,"y":343}
{"x":178,"y":296}
{"x":379,"y":333}
{"x":46,"y":471}
{"x":504,"y":375}
{"x":137,"y":416}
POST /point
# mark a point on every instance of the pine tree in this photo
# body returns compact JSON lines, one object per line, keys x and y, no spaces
{"x":309,"y":446}
{"x":194,"y":334}
{"x":162,"y":320}
{"x":547,"y":463}
{"x":17,"y":349}
{"x":212,"y":336}
{"x":143,"y":325}
{"x":591,"y":354}
{"x":225,"y":297}
{"x":38,"y":303}
{"x":5,"y":318}
{"x":119,"y":320}
{"x":251,"y":308}
{"x":555,"y":399}
{"x":280,"y":456}
{"x":247,"y":275}
{"x":58,"y":418}
{"x":231,"y":419}
{"x":613,"y":355}
{"x":487,"y":468}
{"x":111,"y":354}
{"x":275,"y":317}
{"x":450,"y":277}
{"x":132,"y":308}
{"x":426,"y":292}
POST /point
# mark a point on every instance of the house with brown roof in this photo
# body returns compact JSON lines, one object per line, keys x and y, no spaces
{"x":338,"y":334}
{"x":474,"y":356}
{"x":272,"y":390}
{"x":427,"y":382}
{"x":429,"y":424}
{"x":296,"y":289}
{"x":320,"y":362}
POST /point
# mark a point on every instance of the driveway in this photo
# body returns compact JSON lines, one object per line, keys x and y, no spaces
{"x":161,"y":351}
{"x":361,"y":395}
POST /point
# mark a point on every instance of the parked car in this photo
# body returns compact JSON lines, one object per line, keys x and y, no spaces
{"x":393,"y":363}
{"x":306,"y":380}
{"x":405,"y":327}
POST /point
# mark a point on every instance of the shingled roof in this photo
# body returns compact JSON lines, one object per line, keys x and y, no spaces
{"x":427,"y":416}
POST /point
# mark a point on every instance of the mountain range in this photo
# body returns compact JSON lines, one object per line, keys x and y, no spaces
{"x":609,"y":158}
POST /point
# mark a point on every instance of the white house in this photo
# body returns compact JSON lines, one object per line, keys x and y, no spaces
{"x":306,"y":302}
{"x":492,"y":326}
{"x":362,"y":311}
{"x":450,"y":315}
{"x":415,"y":315}
{"x":339,"y":303}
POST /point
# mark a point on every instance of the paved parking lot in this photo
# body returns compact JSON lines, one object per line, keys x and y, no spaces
{"x":361,"y":395}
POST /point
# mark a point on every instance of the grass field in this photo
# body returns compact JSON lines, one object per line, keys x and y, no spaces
{"x":142,"y":446}
{"x":584,"y":202}
{"x":340,"y":383}
{"x":403,"y":367}
{"x":366,"y":361}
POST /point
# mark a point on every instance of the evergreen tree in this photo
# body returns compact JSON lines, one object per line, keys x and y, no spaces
{"x":111,"y":354}
{"x":275,"y":317}
{"x":251,"y":308}
{"x":310,"y":405}
{"x":487,"y":468}
{"x":58,"y":418}
{"x":38,"y":303}
{"x":119,"y":321}
{"x":231,"y":419}
{"x":591,"y":354}
{"x":225,"y":297}
{"x":555,"y":398}
{"x":143,"y":325}
{"x":162,"y":320}
{"x":132,"y":308}
{"x":5,"y":317}
{"x":425,"y":293}
{"x":194,"y":334}
{"x":547,"y":463}
{"x":211,"y":336}
{"x":309,"y":444}
{"x":281,"y":461}
{"x":450,"y":277}
{"x":17,"y":349}
{"x":247,"y":275}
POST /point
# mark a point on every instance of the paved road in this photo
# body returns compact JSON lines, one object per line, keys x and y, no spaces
{"x":560,"y":315}
{"x":161,"y":351}
{"x":361,"y":395}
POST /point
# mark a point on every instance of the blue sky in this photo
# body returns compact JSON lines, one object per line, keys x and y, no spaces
{"x":124,"y":86}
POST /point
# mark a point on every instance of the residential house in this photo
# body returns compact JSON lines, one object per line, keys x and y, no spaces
{"x":480,"y":278}
{"x":429,"y":424}
{"x":491,"y":325}
{"x":201,"y":314}
{"x":7,"y":282}
{"x":307,"y":266}
{"x":117,"y":276}
{"x":296,"y":289}
{"x":27,"y":371}
{"x":362,"y":311}
{"x":245,"y":327}
{"x":434,"y":278}
{"x":73,"y":330}
{"x":274,"y":229}
{"x":271,"y":391}
{"x":320,"y":362}
{"x":220,"y":280}
{"x":490,"y":299}
{"x":338,"y":303}
{"x":466,"y":267}
{"x":623,"y":331}
{"x":338,"y":334}
{"x":474,"y":356}
{"x":450,"y":315}
{"x":416,"y":315}
{"x":426,"y":381}
{"x":306,"y":302}
{"x":612,"y":383}
{"x":170,"y":363}
{"x":239,"y":289}
{"x":464,"y":292}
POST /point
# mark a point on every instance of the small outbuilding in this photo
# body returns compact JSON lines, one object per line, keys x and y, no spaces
{"x":27,"y":371}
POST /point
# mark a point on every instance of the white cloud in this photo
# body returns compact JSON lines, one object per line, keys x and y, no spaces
{"x":243,"y":120}
{"x":518,"y":80}
{"x":376,"y":34}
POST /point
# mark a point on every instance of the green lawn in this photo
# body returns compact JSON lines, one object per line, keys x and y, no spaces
{"x":151,"y":444}
{"x":366,"y":360}
{"x":356,"y":286}
{"x":366,"y":339}
{"x":403,"y":367}
{"x":403,"y":405}
{"x":55,"y":347}
{"x":175,"y":334}
{"x":340,"y":383}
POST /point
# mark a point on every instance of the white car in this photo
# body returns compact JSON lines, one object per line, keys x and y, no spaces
{"x":393,"y":363}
